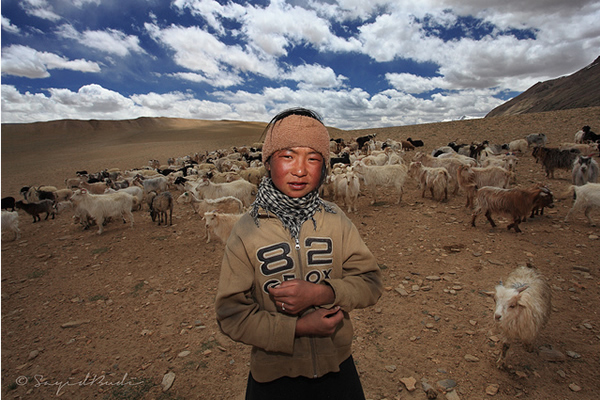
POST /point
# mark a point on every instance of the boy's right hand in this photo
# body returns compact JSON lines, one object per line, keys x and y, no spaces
{"x":321,"y":322}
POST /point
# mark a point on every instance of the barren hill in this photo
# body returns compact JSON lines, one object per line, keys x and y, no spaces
{"x":581,"y":89}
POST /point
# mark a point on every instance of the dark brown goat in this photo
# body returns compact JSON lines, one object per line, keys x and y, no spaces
{"x":552,"y":159}
{"x":36,"y":208}
{"x":517,"y":202}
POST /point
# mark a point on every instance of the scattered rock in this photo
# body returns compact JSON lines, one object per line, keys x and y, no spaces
{"x":167,"y":381}
{"x":390,"y":368}
{"x":572,"y":354}
{"x":33,"y":354}
{"x":446,"y":384}
{"x":409,"y":383}
{"x":75,"y":324}
{"x":184,"y":353}
{"x":427,"y":388}
{"x":551,"y":355}
{"x":492,"y":389}
{"x":593,"y":237}
{"x":574,"y":387}
{"x":400,"y":289}
{"x":471,"y":358}
{"x":452,"y":395}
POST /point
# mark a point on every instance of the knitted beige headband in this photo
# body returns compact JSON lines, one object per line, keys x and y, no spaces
{"x":296,"y":131}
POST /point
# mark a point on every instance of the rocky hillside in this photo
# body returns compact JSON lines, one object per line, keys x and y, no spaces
{"x":579,"y":90}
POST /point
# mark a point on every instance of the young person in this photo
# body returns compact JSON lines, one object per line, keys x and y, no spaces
{"x":294,"y":267}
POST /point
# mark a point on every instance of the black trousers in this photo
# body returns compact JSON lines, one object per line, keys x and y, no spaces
{"x":342,"y":385}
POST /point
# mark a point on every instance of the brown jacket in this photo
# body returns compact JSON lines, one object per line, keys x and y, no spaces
{"x":259,"y":257}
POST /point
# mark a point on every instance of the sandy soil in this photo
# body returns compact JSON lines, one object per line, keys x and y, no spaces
{"x":106,"y":317}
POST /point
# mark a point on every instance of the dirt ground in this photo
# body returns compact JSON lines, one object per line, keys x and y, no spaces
{"x":87,"y":316}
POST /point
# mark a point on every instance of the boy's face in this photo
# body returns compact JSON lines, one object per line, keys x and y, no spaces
{"x":296,"y":171}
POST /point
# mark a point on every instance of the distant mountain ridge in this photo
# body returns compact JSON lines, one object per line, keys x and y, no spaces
{"x":579,"y":90}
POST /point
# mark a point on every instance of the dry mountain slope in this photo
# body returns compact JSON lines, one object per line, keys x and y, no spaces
{"x":581,"y":89}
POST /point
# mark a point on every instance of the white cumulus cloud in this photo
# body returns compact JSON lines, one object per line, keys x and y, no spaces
{"x":24,"y":61}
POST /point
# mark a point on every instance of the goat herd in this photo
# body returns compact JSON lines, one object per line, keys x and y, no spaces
{"x":221,"y":185}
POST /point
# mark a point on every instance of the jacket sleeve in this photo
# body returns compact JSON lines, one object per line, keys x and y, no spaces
{"x":239,"y":313}
{"x":360,"y":285}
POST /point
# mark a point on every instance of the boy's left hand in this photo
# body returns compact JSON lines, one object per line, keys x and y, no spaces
{"x":297,"y":295}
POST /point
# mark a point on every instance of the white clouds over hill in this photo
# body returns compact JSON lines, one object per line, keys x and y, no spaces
{"x":360,"y":64}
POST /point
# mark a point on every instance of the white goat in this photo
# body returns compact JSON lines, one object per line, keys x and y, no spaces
{"x":451,"y":164}
{"x":227,"y":204}
{"x":523,"y":305}
{"x":10,"y":222}
{"x":435,"y":179}
{"x":102,"y":206}
{"x":157,"y":184}
{"x":585,"y":169}
{"x":386,"y":175}
{"x":519,"y":145}
{"x":470,"y":179}
{"x":587,"y":197}
{"x":135,"y":191}
{"x":586,"y":149}
{"x":220,"y":224}
{"x":242,"y":189}
{"x":62,"y":195}
{"x":94,"y":188}
{"x":507,"y":161}
{"x":347,"y":188}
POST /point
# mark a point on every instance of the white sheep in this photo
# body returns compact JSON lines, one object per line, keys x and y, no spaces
{"x":227,"y":204}
{"x":220,"y":224}
{"x":587,"y":197}
{"x":523,"y":305}
{"x":10,"y":223}
{"x":102,"y":206}
{"x":386,"y":175}
{"x":435,"y":179}
{"x":242,"y":189}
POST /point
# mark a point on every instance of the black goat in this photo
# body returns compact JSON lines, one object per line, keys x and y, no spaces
{"x":361,"y":140}
{"x":589,"y":136}
{"x":343,"y":158}
{"x":8,"y":202}
{"x":36,"y":208}
{"x":416,"y":143}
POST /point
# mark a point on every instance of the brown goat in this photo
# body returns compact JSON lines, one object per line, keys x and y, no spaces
{"x":517,"y":202}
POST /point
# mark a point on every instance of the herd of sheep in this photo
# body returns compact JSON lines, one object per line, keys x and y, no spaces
{"x":221,"y":185}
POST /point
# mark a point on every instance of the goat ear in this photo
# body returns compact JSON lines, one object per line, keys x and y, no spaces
{"x":520,"y":289}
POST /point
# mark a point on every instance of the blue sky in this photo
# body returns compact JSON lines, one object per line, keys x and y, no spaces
{"x":360,"y":64}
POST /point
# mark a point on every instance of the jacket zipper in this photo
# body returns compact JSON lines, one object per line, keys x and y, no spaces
{"x":313,"y":349}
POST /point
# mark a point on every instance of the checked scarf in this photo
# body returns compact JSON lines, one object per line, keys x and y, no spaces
{"x":291,"y":211}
